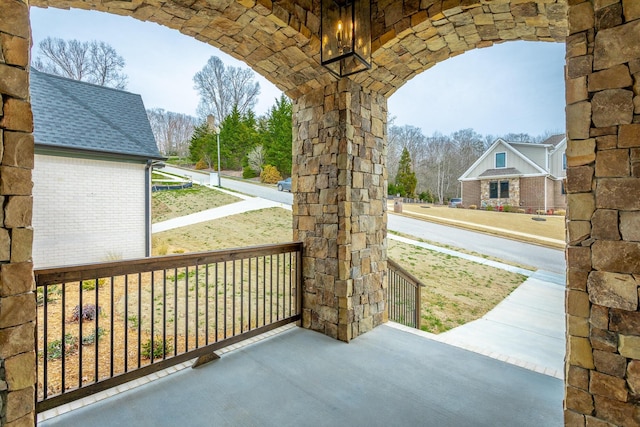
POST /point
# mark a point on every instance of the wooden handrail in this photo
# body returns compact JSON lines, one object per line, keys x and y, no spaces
{"x":74,"y":273}
{"x":404,"y":273}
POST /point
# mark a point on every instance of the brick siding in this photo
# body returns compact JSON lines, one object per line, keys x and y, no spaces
{"x":87,"y":210}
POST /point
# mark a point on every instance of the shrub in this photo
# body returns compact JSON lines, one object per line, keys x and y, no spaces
{"x":473,"y":207}
{"x":507,"y":208}
{"x":270,"y":175}
{"x":521,"y":211}
{"x":201,"y":165}
{"x":90,"y":285}
{"x":248,"y":173}
{"x":426,"y":196}
{"x":159,"y":349}
{"x":52,"y":290}
{"x":88,"y":312}
{"x":54,"y":348}
{"x":561,"y":212}
{"x":91,"y":338}
{"x":489,"y":208}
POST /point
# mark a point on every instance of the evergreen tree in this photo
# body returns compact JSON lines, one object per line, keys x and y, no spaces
{"x":406,"y":180}
{"x":203,"y":146}
{"x":232,"y":142}
{"x":278,"y":137}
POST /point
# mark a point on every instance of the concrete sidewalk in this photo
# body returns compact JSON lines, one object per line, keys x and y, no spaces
{"x":249,"y":204}
{"x":526,"y":329}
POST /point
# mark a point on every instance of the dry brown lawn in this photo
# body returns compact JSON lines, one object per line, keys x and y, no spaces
{"x":508,"y":223}
{"x":172,"y":204}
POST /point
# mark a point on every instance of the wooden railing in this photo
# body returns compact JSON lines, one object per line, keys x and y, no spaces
{"x":403,"y":295}
{"x":101,"y":325}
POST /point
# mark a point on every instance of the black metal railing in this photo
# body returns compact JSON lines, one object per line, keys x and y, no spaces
{"x":101,"y":325}
{"x":403,"y":295}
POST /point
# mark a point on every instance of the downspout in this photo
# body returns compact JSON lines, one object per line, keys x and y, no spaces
{"x":147,"y":208}
{"x":545,"y":193}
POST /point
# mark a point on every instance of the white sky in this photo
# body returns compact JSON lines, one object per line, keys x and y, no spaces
{"x":514,"y":87}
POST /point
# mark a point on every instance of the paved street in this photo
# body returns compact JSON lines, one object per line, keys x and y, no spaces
{"x":540,"y":257}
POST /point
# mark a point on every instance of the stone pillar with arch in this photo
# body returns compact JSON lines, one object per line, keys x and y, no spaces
{"x":339,"y":208}
{"x":603,"y":182}
{"x":17,"y":302}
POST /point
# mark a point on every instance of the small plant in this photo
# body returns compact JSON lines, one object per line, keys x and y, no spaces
{"x":561,"y":212}
{"x":489,"y":208}
{"x":133,"y":321}
{"x":90,"y":285}
{"x":521,"y":211}
{"x":54,"y":348}
{"x":90,"y":339}
{"x":52,"y":290}
{"x":507,"y":208}
{"x":88,"y":312}
{"x":159,"y":348}
{"x":473,"y":207}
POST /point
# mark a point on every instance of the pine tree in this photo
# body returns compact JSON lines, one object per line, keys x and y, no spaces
{"x":278,"y":138}
{"x":406,"y":180}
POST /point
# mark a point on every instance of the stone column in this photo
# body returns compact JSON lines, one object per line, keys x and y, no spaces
{"x":339,"y":207}
{"x":603,"y":184}
{"x":17,"y":301}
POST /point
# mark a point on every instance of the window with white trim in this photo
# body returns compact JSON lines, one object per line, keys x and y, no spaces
{"x":501,"y":160}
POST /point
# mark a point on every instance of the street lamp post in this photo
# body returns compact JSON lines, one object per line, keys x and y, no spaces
{"x":218,"y":140}
{"x":211,"y":123}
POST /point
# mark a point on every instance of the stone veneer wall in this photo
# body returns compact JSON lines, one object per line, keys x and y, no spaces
{"x":514,"y":192}
{"x":603,"y":182}
{"x":339,"y":208}
{"x":17,"y":302}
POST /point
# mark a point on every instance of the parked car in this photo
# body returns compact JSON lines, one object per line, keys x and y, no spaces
{"x":455,"y":203}
{"x":284,"y":185}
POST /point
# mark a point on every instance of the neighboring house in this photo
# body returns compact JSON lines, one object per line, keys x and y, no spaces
{"x":93,"y":155}
{"x":520,"y":174}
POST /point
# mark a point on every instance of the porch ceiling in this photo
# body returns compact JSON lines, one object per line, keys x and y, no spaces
{"x":280,"y":39}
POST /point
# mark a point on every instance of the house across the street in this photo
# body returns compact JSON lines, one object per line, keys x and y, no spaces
{"x":519,"y":174}
{"x":94,"y":151}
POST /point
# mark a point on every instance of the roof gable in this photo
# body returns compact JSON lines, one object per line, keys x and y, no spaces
{"x":498,"y":146}
{"x":77,"y":115}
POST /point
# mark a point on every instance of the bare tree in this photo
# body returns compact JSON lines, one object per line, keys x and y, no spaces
{"x":172,"y":131}
{"x":94,"y":62}
{"x":401,"y":137}
{"x":256,"y":159}
{"x":223,"y":87}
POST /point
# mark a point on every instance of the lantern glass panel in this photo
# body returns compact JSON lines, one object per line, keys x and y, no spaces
{"x":346,"y":36}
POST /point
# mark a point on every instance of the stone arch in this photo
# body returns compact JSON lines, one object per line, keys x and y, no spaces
{"x":279,"y":40}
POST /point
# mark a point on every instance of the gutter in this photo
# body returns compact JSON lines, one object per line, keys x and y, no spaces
{"x":147,"y":208}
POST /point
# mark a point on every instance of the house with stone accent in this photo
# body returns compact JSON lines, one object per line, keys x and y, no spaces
{"x":523,"y":175}
{"x":91,"y":180}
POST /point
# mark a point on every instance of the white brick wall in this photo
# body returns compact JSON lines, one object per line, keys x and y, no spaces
{"x":87,"y":210}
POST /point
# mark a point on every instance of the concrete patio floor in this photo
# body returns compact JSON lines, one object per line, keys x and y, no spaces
{"x":299,"y":377}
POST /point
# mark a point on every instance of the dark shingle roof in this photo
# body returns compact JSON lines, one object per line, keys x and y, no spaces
{"x":501,"y":172}
{"x":78,"y":115}
{"x":554,"y":140}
